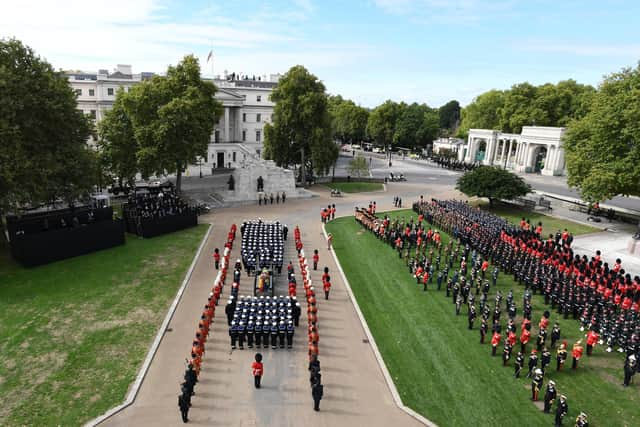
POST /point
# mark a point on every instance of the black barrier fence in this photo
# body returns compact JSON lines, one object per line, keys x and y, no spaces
{"x":151,"y":227}
{"x":32,"y":249}
{"x":44,"y":221}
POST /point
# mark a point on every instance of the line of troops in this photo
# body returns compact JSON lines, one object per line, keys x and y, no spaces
{"x":194,"y":363}
{"x":404,"y":236}
{"x":262,"y":321}
{"x":603,"y":297}
{"x":262,"y":245}
{"x":315,"y":376}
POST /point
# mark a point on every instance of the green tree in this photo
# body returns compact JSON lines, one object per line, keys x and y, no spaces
{"x":493,"y":183}
{"x":173,"y":117}
{"x":350,"y":122}
{"x":603,"y":147}
{"x":381,"y":124}
{"x":519,"y":109}
{"x":483,"y":113}
{"x":449,"y":116}
{"x":358,"y":166}
{"x":417,"y":126}
{"x":301,"y":132}
{"x":117,"y":143}
{"x":42,"y":133}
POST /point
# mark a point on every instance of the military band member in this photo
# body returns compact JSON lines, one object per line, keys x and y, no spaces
{"x":549,"y":396}
{"x":561,"y":356}
{"x":630,"y":368}
{"x":519,"y":363}
{"x":581,"y":420}
{"x":536,"y":384}
{"x":545,"y":359}
{"x":561,"y":410}
{"x":533,"y":362}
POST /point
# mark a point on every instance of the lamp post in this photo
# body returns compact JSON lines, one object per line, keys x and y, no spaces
{"x":200,"y":164}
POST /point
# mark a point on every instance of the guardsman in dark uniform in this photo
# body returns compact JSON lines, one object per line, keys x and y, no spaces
{"x":258,"y":333}
{"x":266,"y":332}
{"x":533,"y":362}
{"x":484,"y":327}
{"x":233,"y":333}
{"x":541,"y":338}
{"x":561,"y":356}
{"x":518,"y":364}
{"x":242,"y":335}
{"x":630,"y":368}
{"x":555,"y":334}
{"x":250,"y":334}
{"x":229,"y":309}
{"x":536,"y":384}
{"x":449,"y":287}
{"x":471,"y":315}
{"x":506,"y":353}
{"x":561,"y":410}
{"x":317,"y":390}
{"x":282,"y":332}
{"x":296,"y":313}
{"x":439,"y":279}
{"x":290,"y":332}
{"x":274,"y":335}
{"x":545,"y":359}
{"x":184,"y":407}
{"x":549,"y":396}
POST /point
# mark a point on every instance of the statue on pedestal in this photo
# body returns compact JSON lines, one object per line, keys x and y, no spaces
{"x":232,"y":183}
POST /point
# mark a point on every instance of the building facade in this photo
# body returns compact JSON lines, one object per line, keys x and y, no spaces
{"x":535,"y":149}
{"x":238,"y":133}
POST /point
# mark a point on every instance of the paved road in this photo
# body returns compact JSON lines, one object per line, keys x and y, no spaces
{"x":355,"y":391}
{"x":426,"y":172}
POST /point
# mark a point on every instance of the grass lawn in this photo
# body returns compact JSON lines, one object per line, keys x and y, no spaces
{"x":438,"y":365}
{"x":74,"y":333}
{"x":549,"y":224}
{"x":355,"y":187}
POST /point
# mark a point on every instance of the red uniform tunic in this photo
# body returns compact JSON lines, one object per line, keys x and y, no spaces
{"x":257,"y":369}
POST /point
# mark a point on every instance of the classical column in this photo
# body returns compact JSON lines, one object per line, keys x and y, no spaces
{"x":560,"y":161}
{"x":509,"y":153}
{"x":491,"y":146}
{"x":227,"y":137}
{"x":550,"y":159}
{"x":467,"y":157}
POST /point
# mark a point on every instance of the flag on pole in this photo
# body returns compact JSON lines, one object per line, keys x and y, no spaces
{"x":210,"y":56}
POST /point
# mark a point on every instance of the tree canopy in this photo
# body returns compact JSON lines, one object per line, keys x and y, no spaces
{"x":449,"y":116}
{"x":603,"y":147}
{"x":43,"y":152}
{"x":171,"y":119}
{"x":381,"y":125}
{"x":416,"y":127}
{"x":525,"y":104}
{"x":493,"y":183}
{"x":348,"y":120}
{"x":301,"y":132}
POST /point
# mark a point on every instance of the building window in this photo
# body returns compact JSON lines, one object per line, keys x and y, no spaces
{"x":110,"y":91}
{"x":234,"y":156}
{"x":92,"y":92}
{"x":244,"y":117}
{"x":92,"y":113}
{"x":258,"y":117}
{"x":258,"y":134}
{"x":244,"y":136}
{"x":259,"y":98}
{"x":79,"y":92}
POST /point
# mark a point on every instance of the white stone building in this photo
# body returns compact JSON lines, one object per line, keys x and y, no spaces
{"x":535,"y":149}
{"x":238,"y":133}
{"x":452,"y":144}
